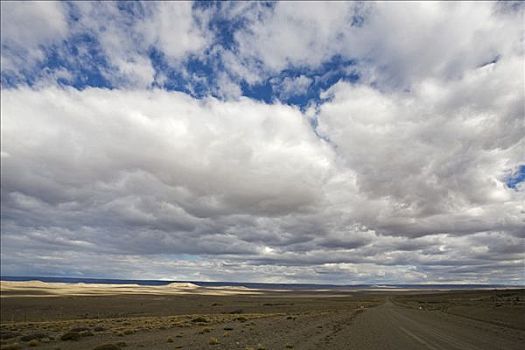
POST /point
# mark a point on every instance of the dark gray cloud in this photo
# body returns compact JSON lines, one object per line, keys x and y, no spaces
{"x":125,"y":178}
{"x":401,"y":178}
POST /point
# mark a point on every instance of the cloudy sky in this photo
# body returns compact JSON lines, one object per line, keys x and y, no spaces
{"x":272,"y":142}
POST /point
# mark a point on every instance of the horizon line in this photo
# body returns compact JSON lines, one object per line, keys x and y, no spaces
{"x":269,"y":283}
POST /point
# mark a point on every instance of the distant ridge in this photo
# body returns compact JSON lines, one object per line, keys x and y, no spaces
{"x":297,"y":286}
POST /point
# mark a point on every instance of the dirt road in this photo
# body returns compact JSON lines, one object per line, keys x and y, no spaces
{"x":394,"y":327}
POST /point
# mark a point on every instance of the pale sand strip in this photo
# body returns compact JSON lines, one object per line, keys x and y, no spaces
{"x":10,"y":289}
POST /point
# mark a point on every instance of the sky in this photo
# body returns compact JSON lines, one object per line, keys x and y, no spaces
{"x":278,"y":142}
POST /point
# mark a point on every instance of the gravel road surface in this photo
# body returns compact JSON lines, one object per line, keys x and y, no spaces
{"x":389,"y":326}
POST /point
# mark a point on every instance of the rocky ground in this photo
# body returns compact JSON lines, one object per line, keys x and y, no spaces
{"x":268,"y":320}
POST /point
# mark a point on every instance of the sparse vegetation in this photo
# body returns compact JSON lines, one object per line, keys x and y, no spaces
{"x":33,"y":336}
{"x":71,"y":335}
{"x":214,"y":341}
{"x":5,"y":334}
{"x":267,"y":330}
{"x":79,"y":329}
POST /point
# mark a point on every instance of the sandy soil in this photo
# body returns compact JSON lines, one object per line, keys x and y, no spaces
{"x":38,"y":288}
{"x":259,"y":320}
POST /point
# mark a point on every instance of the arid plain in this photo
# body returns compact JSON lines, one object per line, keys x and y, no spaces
{"x":185,"y":316}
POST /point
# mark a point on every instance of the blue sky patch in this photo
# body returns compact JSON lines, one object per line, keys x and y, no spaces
{"x":80,"y":61}
{"x":322,"y":78}
{"x":516,"y":178}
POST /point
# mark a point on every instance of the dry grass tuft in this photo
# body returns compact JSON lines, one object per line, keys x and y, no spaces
{"x":200,"y":320}
{"x":214,"y":341}
{"x":70,"y":336}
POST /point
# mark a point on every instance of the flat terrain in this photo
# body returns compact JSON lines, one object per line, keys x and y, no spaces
{"x":199,"y":319}
{"x":395,"y":327}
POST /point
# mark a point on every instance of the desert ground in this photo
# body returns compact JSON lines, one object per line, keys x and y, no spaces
{"x":185,"y":316}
